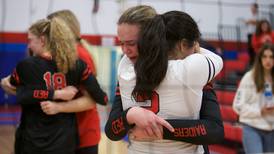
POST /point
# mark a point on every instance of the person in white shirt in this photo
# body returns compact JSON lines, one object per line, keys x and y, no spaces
{"x":250,"y":103}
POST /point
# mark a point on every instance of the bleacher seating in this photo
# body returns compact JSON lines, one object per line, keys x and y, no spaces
{"x":225,"y":97}
{"x":228,"y":114}
{"x":233,"y":131}
{"x":226,"y":85}
{"x":234,"y":66}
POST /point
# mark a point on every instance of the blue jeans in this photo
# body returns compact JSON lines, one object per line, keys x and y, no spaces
{"x":257,"y":141}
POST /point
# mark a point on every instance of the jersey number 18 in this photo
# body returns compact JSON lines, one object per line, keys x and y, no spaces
{"x":55,"y":81}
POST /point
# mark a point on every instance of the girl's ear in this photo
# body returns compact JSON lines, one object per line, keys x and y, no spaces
{"x":186,"y":50}
{"x":183,"y":46}
{"x":43,"y":40}
{"x":196,"y":47}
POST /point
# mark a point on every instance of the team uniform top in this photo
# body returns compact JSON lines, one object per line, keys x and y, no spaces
{"x":88,"y":121}
{"x":179,"y":96}
{"x":36,"y":79}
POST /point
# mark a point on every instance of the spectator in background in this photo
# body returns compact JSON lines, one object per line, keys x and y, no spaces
{"x":263,"y":34}
{"x":249,"y":103}
{"x":251,"y":26}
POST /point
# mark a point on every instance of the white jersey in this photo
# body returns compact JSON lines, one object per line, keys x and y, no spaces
{"x":179,"y":96}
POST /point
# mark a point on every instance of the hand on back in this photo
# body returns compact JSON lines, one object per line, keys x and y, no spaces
{"x":147,"y":123}
{"x":7,"y":87}
{"x":50,"y":108}
{"x":66,"y":93}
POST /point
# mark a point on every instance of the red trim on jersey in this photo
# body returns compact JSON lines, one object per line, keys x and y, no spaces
{"x":15,"y":76}
{"x":208,"y":86}
{"x":86,"y":73}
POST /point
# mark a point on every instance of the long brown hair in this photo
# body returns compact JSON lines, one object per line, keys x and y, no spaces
{"x":158,"y":39}
{"x":59,"y":41}
{"x":258,"y":70}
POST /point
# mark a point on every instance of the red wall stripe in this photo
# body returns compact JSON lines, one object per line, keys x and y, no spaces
{"x":13,"y":37}
{"x":17,"y":37}
{"x":229,"y":45}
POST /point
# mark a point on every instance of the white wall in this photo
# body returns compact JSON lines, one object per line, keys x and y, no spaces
{"x":17,"y":15}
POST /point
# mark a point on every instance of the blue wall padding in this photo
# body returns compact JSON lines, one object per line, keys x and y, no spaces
{"x":230,"y":55}
{"x":10,"y":55}
{"x":11,"y":47}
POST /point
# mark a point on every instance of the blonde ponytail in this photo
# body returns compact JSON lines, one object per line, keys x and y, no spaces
{"x":59,"y":40}
{"x":62,"y":45}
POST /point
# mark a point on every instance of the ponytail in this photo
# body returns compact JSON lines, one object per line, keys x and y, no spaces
{"x":158,"y":40}
{"x":152,"y":62}
{"x":59,"y":41}
{"x":62,"y":45}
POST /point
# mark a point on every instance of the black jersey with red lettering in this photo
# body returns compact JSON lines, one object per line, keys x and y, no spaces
{"x":49,"y":133}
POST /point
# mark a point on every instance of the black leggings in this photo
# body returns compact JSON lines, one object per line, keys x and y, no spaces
{"x":250,"y":50}
{"x":88,"y":150}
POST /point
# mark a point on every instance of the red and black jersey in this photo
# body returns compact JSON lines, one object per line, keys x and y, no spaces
{"x":88,"y":120}
{"x":36,"y":78}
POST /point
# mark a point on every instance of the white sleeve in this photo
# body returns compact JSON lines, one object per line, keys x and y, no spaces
{"x":242,"y":103}
{"x":215,"y":63}
{"x":126,"y":69}
{"x":122,"y":64}
{"x":119,"y":65}
{"x":199,"y":68}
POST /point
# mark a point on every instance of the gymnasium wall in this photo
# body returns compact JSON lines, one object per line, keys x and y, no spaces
{"x":100,"y":28}
{"x":17,"y":15}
